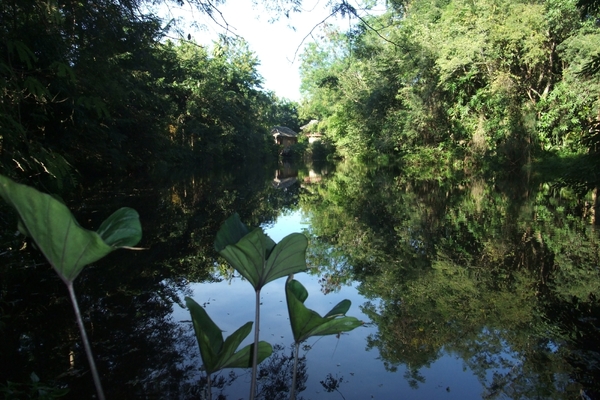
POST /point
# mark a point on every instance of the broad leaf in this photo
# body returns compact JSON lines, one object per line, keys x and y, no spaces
{"x":340,"y":309}
{"x":66,"y":245}
{"x":216,"y":353}
{"x":288,"y":257}
{"x":121,"y":229}
{"x":232,"y":230}
{"x":248,"y":256}
{"x":256,"y":256}
{"x":306,"y":323}
{"x":243,"y":358}
{"x":208,"y":334}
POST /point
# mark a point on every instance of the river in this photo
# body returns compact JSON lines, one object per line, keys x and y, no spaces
{"x":470,"y":286}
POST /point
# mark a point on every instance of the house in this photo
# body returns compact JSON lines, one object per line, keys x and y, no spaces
{"x":284,"y":136}
{"x":309,"y":131}
{"x":314,"y":137}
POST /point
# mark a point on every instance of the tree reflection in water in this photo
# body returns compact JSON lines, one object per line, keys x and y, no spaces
{"x":499,"y":273}
{"x":274,"y":378}
{"x":503,"y":276}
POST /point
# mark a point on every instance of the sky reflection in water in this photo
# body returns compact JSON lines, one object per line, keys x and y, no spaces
{"x":231,"y":303}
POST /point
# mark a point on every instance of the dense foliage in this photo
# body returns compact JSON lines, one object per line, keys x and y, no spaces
{"x":94,"y":88}
{"x":506,"y":79}
{"x":471,"y":263}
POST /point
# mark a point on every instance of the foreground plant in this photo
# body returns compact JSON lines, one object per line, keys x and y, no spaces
{"x":306,"y":323}
{"x":66,"y":245}
{"x":218,"y":354}
{"x":260,"y":260}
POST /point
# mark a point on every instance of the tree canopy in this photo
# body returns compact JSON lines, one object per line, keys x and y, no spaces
{"x":507,"y":79}
{"x":96,"y":87}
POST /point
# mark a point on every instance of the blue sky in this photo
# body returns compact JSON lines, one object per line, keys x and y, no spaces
{"x":278,"y":45}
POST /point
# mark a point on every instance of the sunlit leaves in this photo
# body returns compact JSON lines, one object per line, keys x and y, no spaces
{"x":469,"y":73}
{"x":256,"y":256}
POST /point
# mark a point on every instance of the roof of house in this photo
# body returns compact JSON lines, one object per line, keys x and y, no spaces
{"x":283,"y":131}
{"x":310,"y":125}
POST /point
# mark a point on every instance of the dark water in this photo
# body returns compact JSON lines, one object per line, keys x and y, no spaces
{"x":471,"y":286}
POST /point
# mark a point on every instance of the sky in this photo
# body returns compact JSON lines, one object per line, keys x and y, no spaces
{"x":278,"y":45}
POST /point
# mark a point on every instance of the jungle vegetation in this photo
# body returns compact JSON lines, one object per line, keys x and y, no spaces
{"x":510,"y":81}
{"x":92,"y":89}
{"x":102,"y":87}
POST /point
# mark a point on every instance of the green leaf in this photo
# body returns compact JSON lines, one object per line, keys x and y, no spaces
{"x":340,"y":309}
{"x":243,"y":358}
{"x":288,"y":257}
{"x":256,"y":256}
{"x":122,"y":228}
{"x":232,"y":230}
{"x":25,"y":54}
{"x":306,"y":323}
{"x":248,"y":256}
{"x":216,"y":353}
{"x":208,"y":335}
{"x":232,"y":342}
{"x":66,"y":245}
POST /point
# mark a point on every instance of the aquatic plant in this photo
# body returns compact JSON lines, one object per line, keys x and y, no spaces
{"x":66,"y":245}
{"x":260,"y":260}
{"x":217,"y":353}
{"x":306,"y":322}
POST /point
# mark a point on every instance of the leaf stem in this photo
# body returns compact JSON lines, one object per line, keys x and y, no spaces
{"x":293,"y":389}
{"x":86,"y":342}
{"x":255,"y":347}
{"x":209,"y":387}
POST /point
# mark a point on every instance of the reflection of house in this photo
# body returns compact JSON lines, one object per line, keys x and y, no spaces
{"x":313,"y":177}
{"x":285,"y":176}
{"x":284,"y":136}
{"x":310,"y":131}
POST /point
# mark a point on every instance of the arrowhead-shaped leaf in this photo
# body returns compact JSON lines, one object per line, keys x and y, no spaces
{"x":66,"y":245}
{"x":243,"y":358}
{"x":232,"y":230}
{"x":306,"y":323}
{"x":247,"y":256}
{"x":341,"y":308}
{"x":256,"y":256}
{"x":216,"y":353}
{"x":208,"y":334}
{"x":122,"y":228}
{"x":287,"y":257}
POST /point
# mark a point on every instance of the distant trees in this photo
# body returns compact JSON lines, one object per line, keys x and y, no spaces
{"x":92,"y":88}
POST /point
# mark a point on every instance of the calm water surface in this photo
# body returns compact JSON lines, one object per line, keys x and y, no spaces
{"x":470,"y":286}
{"x":361,"y":372}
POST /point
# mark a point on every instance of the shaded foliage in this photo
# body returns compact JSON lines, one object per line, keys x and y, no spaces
{"x":129,"y":298}
{"x":93,"y":89}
